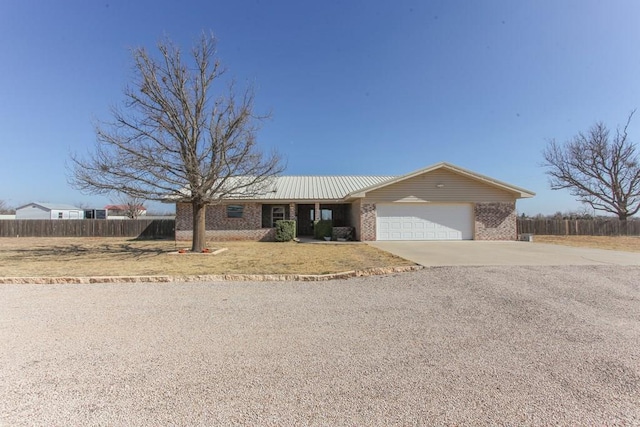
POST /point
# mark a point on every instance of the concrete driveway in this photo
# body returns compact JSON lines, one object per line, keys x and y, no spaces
{"x":478,"y":253}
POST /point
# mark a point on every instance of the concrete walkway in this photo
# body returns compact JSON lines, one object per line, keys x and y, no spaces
{"x":478,"y":253}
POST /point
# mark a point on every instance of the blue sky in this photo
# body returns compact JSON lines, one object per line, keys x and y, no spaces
{"x":355,"y":87}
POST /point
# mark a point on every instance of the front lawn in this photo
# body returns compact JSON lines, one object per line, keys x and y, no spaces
{"x":81,"y":257}
{"x":618,"y":243}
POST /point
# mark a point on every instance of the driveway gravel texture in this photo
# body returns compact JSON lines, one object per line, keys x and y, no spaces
{"x":442,"y":346}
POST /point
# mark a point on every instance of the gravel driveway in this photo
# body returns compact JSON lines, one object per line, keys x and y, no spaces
{"x":443,"y":346}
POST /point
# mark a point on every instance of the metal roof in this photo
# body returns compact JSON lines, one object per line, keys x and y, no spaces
{"x":53,"y":206}
{"x":318,"y":187}
{"x":333,"y":187}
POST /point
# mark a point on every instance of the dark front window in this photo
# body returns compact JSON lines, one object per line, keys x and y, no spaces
{"x":273,"y":213}
{"x":324,"y":214}
{"x":338,"y":213}
{"x":277,"y":214}
{"x":234,"y":211}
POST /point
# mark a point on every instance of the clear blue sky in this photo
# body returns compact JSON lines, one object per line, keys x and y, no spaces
{"x":355,"y":87}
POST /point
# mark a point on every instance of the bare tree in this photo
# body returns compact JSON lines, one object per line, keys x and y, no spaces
{"x":82,"y":205}
{"x":130,"y":205}
{"x":602,"y":171}
{"x":5,"y":209}
{"x":176,"y":139}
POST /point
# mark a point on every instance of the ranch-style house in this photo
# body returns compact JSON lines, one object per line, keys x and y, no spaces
{"x":439,"y":202}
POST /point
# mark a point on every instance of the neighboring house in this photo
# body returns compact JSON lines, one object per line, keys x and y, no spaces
{"x":123,"y":211}
{"x":49,"y":211}
{"x":439,"y":202}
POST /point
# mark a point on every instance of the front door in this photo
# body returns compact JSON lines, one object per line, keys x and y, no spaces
{"x":304,"y":219}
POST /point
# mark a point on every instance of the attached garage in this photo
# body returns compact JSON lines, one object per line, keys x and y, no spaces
{"x":424,"y":221}
{"x":440,"y":202}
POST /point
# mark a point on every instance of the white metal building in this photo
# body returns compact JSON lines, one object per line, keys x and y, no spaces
{"x":38,"y":210}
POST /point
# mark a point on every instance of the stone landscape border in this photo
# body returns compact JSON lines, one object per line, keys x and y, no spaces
{"x":210,"y":277}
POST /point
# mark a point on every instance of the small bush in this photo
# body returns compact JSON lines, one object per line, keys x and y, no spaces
{"x":322,"y":228}
{"x":285,"y":230}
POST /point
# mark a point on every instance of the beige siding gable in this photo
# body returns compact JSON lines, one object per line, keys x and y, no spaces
{"x":440,"y":186}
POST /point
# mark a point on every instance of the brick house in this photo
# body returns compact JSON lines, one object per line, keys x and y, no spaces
{"x":439,"y":202}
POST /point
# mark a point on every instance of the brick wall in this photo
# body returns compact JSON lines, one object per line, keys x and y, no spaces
{"x":260,"y":235}
{"x":495,"y":221}
{"x":341,"y":232}
{"x":219,"y":227}
{"x":367,"y":222}
{"x":184,"y":217}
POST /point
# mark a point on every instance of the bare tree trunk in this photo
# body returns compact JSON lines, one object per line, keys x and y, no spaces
{"x":199,"y":226}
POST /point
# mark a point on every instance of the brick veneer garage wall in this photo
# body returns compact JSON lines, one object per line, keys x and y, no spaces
{"x":495,"y":221}
{"x":219,"y":227}
{"x":367,"y":222}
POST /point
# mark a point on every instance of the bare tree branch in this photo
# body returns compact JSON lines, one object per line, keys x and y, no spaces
{"x":131,"y":206}
{"x":181,"y":134}
{"x":5,"y":209}
{"x":600,"y":171}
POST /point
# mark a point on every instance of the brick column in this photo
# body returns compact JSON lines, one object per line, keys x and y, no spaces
{"x":368,"y":221}
{"x":292,"y":211}
{"x":316,"y":214}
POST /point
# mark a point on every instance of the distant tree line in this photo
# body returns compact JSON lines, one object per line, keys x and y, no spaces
{"x":571,"y":215}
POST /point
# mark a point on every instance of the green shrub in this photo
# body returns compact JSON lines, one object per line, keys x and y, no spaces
{"x":322,"y":228}
{"x":285,"y":230}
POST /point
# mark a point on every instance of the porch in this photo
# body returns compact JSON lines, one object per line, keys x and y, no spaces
{"x":306,"y":213}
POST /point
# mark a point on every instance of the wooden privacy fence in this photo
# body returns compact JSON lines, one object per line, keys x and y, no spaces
{"x":579,"y":227}
{"x":143,"y":228}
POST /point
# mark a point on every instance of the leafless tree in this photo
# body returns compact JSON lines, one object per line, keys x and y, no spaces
{"x":82,"y":205}
{"x":175,"y":139}
{"x":602,"y":171}
{"x":5,"y":209}
{"x":131,"y":206}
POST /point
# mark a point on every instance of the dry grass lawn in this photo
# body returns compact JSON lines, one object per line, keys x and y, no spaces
{"x":618,"y":243}
{"x":81,"y":257}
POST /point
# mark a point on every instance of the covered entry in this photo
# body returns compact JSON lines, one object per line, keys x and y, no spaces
{"x":337,"y":213}
{"x":424,"y":221}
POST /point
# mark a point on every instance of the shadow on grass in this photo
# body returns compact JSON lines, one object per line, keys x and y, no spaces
{"x":124,"y":249}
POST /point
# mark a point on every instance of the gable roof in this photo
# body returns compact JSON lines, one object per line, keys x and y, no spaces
{"x":520,"y":192}
{"x":52,"y":206}
{"x":349,"y":187}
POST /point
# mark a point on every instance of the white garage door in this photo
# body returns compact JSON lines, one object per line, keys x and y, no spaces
{"x":425,"y":221}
